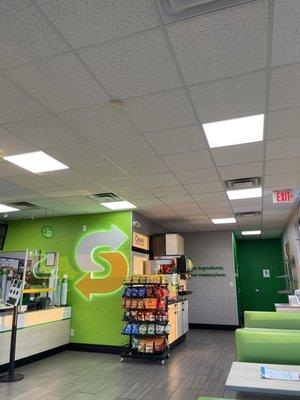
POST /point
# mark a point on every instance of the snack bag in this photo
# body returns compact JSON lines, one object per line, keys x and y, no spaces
{"x":134,"y":303}
{"x":140,"y":316}
{"x":133,"y":314}
{"x":142,"y":292}
{"x":140,"y":304}
{"x":151,"y":329}
{"x":135,"y":329}
{"x":135,"y":343}
{"x":128,"y":279}
{"x":127,"y":303}
{"x":164,"y":316}
{"x":143,"y":329}
{"x":152,"y":316}
{"x":135,"y":279}
{"x":159,"y":329}
{"x":161,"y":303}
{"x":127,"y":314}
{"x":167,"y":328}
{"x":149,"y":291}
{"x":142,"y":346}
{"x":143,"y":279}
{"x":127,"y":292}
{"x":134,"y":292}
{"x":149,"y":346}
{"x":154,"y":303}
{"x":159,"y":345}
{"x":127,"y":329}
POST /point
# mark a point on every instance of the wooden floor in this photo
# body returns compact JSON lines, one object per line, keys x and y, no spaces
{"x":197,"y":367}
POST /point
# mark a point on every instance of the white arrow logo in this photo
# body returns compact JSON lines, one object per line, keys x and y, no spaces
{"x":113,"y":238}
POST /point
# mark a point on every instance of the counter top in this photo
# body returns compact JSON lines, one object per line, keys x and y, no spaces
{"x":37,"y":317}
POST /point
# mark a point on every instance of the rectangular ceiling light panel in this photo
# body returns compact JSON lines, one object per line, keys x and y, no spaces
{"x":244,"y":193}
{"x":119,"y":205}
{"x":5,"y":209}
{"x":36,"y":162}
{"x":235,"y":131}
{"x":223,"y":220}
{"x":251,"y":233}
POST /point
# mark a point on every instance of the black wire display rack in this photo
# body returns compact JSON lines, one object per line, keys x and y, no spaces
{"x":130,"y":352}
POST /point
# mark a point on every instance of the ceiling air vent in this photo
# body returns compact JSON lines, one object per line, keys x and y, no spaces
{"x":23,"y":205}
{"x":243,"y":183}
{"x":248,"y":214}
{"x":177,"y":10}
{"x":104,"y":197}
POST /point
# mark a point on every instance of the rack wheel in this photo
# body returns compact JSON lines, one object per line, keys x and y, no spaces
{"x":168,"y":356}
{"x":162,"y":362}
{"x":121,"y":359}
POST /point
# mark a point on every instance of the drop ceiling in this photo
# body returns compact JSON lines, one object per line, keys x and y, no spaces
{"x":61,"y":63}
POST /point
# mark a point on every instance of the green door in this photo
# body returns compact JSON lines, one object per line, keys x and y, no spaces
{"x":263,"y":288}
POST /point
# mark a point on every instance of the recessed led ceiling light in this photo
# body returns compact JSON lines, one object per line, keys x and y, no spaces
{"x":119,"y":205}
{"x":4,"y":208}
{"x":37,"y":161}
{"x":223,"y":220}
{"x":249,"y":233}
{"x":244,"y":193}
{"x":235,"y":131}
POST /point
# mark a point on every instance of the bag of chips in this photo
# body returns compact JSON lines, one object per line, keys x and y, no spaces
{"x":151,"y":329}
{"x":143,"y":329}
{"x":159,"y":345}
{"x":135,"y":329}
{"x":149,"y":346}
{"x":127,"y":329}
{"x":142,"y":346}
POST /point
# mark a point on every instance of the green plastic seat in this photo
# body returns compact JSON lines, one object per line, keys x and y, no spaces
{"x":273,"y":346}
{"x":272,"y":320}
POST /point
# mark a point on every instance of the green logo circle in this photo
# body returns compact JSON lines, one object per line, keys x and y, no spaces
{"x":47,"y":232}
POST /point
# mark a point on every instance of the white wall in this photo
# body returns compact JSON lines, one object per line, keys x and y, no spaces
{"x":291,"y":235}
{"x":214,"y":299}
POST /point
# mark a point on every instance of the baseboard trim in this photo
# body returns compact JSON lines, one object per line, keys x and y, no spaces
{"x":213,"y":327}
{"x":96,"y":348}
{"x":177,"y":342}
{"x":36,"y":357}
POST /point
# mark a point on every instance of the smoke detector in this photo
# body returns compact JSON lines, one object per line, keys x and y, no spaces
{"x":243,"y":183}
{"x":178,"y":10}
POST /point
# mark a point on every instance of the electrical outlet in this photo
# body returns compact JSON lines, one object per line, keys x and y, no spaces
{"x":72,"y":332}
{"x":84,"y":228}
{"x":231,"y":284}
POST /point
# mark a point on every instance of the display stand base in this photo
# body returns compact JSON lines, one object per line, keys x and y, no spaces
{"x":11,"y":378}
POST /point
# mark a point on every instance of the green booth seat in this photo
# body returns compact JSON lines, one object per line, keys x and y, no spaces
{"x":272,"y":346}
{"x":272,"y":320}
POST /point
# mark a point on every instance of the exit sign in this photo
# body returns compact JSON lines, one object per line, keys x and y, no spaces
{"x":283,"y":196}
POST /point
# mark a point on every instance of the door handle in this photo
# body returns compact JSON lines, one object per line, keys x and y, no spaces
{"x":257,"y":291}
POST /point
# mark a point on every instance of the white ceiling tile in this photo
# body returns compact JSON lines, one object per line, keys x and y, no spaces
{"x":283,"y":123}
{"x":241,"y":209}
{"x":25,"y":35}
{"x":238,"y":154}
{"x":286,"y":32}
{"x":207,"y":49}
{"x":228,"y":98}
{"x":257,"y":201}
{"x":152,"y":181}
{"x":11,"y":144}
{"x":16,"y":105}
{"x":187,"y":209}
{"x":44,"y":132}
{"x":8,"y":169}
{"x":241,"y":170}
{"x":197,"y":175}
{"x":271,"y":233}
{"x":6,"y":187}
{"x":283,"y":180}
{"x":171,"y":200}
{"x":54,"y":192}
{"x":285,"y":87}
{"x":159,"y":111}
{"x":283,"y":148}
{"x":78,"y":155}
{"x":145,"y":167}
{"x":204,"y":187}
{"x":102,"y":172}
{"x":213,"y":197}
{"x":141,"y":203}
{"x":168,"y":191}
{"x":30,"y":181}
{"x":198,"y":219}
{"x":123,"y":185}
{"x":65,"y":177}
{"x":60,"y":83}
{"x":177,"y":140}
{"x":188,"y":161}
{"x":140,"y":194}
{"x":275,"y":213}
{"x":49,"y":203}
{"x":127,"y":148}
{"x":99,"y":122}
{"x":286,"y":165}
{"x":87,"y":22}
{"x":133,"y":66}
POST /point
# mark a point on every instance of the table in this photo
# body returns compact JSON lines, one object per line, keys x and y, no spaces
{"x":245,"y":377}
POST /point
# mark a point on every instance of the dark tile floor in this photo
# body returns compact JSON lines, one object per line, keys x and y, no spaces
{"x":197,"y":367}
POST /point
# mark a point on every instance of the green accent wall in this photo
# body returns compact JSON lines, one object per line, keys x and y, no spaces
{"x":259,"y":293}
{"x":96,"y":319}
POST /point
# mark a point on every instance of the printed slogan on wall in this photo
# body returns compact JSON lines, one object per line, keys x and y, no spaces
{"x":208,"y":271}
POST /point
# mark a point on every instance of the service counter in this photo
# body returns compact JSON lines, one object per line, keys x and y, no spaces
{"x":178,"y":319}
{"x":38,"y":331}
